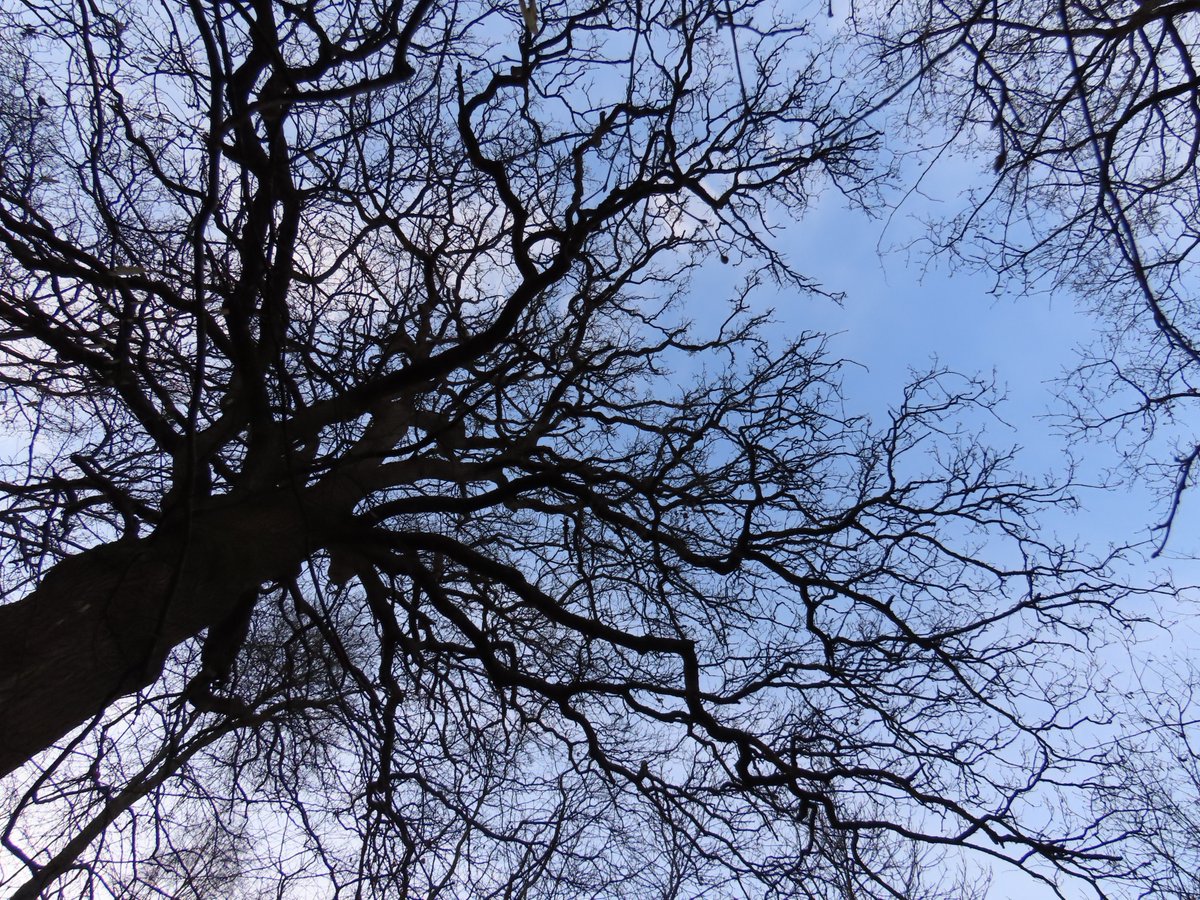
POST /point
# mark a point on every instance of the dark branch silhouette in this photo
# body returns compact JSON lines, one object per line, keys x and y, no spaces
{"x":378,"y":521}
{"x":1090,"y":116}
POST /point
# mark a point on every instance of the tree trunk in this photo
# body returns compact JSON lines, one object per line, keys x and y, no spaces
{"x":101,"y":623}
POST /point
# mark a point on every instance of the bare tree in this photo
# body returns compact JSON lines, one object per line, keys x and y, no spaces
{"x":1089,"y":115}
{"x":376,"y":522}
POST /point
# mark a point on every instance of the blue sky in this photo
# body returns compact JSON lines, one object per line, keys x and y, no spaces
{"x":903,"y":311}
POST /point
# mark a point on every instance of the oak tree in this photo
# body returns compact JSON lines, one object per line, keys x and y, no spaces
{"x":406,"y":496}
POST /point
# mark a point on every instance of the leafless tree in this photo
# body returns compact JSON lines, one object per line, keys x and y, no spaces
{"x":377,"y":523}
{"x":1089,"y":115}
{"x":1154,"y":776}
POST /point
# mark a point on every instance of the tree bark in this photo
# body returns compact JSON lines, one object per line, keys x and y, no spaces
{"x":100,"y":624}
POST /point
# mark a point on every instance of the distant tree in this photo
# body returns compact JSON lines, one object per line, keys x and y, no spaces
{"x":377,"y":523}
{"x":1089,"y":115}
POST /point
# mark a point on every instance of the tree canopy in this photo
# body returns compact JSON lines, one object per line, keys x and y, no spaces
{"x":407,"y":495}
{"x":1090,"y":115}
